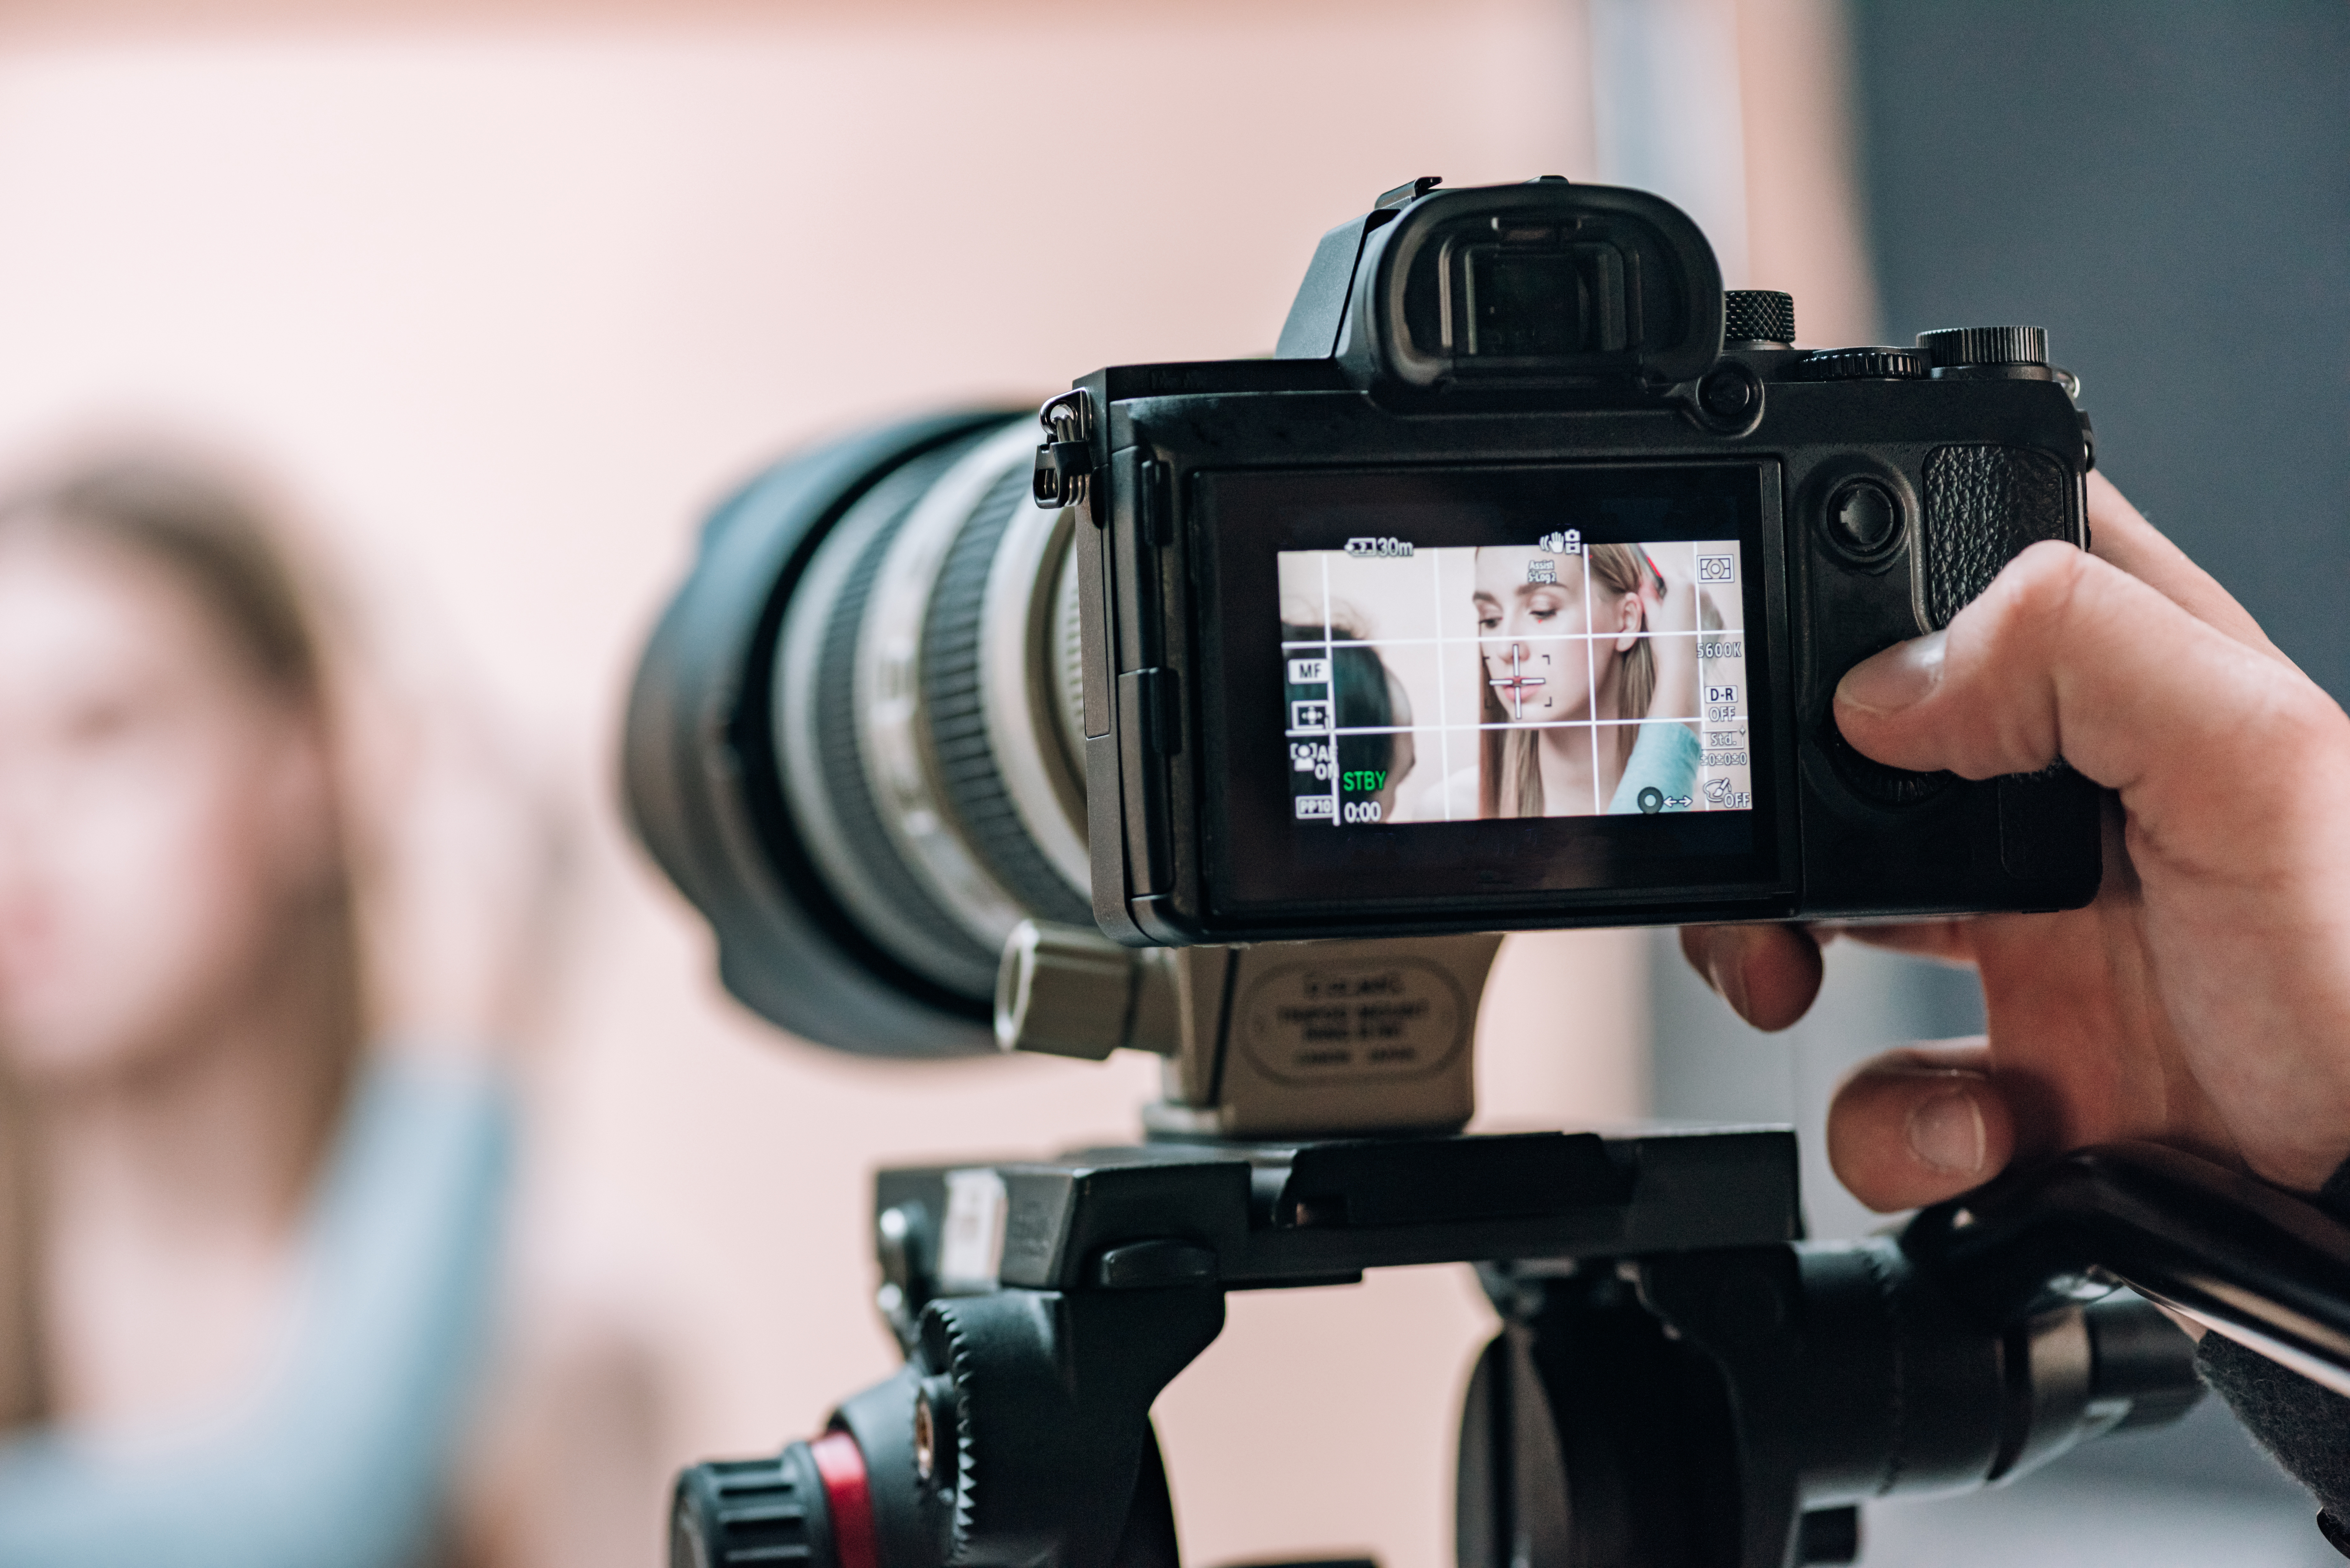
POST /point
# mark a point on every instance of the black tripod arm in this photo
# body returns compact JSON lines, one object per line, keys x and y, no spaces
{"x":2256,"y":1264}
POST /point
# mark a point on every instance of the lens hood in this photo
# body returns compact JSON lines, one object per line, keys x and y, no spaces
{"x":702,"y":781}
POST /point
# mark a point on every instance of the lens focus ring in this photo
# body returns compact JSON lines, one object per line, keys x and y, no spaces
{"x":921,"y":729}
{"x":820,"y":743}
{"x":954,"y":705}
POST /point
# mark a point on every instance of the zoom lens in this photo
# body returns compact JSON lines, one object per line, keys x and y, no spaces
{"x":870,"y":681}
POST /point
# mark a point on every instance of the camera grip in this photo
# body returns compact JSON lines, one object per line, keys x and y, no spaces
{"x":1984,"y":506}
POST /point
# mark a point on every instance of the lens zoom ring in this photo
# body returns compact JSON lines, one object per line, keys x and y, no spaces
{"x":843,"y":764}
{"x":957,"y":717}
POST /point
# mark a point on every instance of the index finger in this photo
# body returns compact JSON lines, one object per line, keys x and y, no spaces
{"x":2120,"y":534}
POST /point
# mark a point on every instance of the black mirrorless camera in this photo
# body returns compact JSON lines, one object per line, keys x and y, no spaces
{"x":1515,"y":589}
{"x":1512,"y":592}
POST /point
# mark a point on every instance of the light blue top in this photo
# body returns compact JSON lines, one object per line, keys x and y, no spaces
{"x":1665,"y":759}
{"x":338,"y":1458}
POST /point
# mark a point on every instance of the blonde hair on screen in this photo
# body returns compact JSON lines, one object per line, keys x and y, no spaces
{"x":1509,"y":761}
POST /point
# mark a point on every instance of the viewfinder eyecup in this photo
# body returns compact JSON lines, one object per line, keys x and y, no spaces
{"x":1543,"y":283}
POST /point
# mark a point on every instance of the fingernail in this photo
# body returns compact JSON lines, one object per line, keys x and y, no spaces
{"x":1946,"y":1133}
{"x":1726,"y":967}
{"x":1898,"y":678}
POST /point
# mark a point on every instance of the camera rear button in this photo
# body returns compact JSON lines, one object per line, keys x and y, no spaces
{"x":1863,"y":519}
{"x":1731,"y":393}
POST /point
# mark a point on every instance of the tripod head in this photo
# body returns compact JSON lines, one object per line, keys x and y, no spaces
{"x":1679,"y":1380}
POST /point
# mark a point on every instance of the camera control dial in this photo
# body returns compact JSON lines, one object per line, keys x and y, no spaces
{"x":1758,"y":316}
{"x":1863,"y":520}
{"x":1873,"y":364}
{"x":1971,"y":347}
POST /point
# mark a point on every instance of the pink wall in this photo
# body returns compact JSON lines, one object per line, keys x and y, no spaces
{"x":510,"y":293}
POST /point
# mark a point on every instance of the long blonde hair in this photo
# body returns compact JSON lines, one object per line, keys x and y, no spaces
{"x":230,"y":560}
{"x":1509,"y":761}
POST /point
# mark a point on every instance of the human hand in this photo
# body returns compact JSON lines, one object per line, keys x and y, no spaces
{"x":457,"y":854}
{"x":2203,"y":999}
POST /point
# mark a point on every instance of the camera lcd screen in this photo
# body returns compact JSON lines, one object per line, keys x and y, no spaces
{"x":1558,"y":676}
{"x":1491,"y":682}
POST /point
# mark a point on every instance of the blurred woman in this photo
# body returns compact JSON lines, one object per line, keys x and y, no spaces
{"x":254,"y":993}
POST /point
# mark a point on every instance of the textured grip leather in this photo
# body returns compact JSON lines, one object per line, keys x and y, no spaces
{"x":1984,"y":506}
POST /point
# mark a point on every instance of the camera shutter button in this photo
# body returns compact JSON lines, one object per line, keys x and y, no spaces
{"x":1863,"y":520}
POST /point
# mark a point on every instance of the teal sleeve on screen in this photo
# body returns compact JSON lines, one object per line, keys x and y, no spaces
{"x":338,"y":1457}
{"x":1665,"y":759}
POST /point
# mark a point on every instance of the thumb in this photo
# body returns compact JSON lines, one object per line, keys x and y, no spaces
{"x":2067,"y":655}
{"x":2226,"y":759}
{"x":1918,"y":1126}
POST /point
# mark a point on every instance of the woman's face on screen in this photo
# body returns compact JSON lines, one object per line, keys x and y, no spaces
{"x":164,"y":813}
{"x":1532,"y":618}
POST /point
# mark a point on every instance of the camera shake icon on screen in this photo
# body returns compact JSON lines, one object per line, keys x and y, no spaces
{"x":1560,"y":679}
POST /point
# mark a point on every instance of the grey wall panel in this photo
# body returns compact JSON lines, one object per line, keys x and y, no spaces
{"x":2165,"y":184}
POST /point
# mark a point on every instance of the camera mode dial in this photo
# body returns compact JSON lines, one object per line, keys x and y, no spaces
{"x":1995,"y":349}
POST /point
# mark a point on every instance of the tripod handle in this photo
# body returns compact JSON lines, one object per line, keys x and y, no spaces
{"x":2249,"y":1260}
